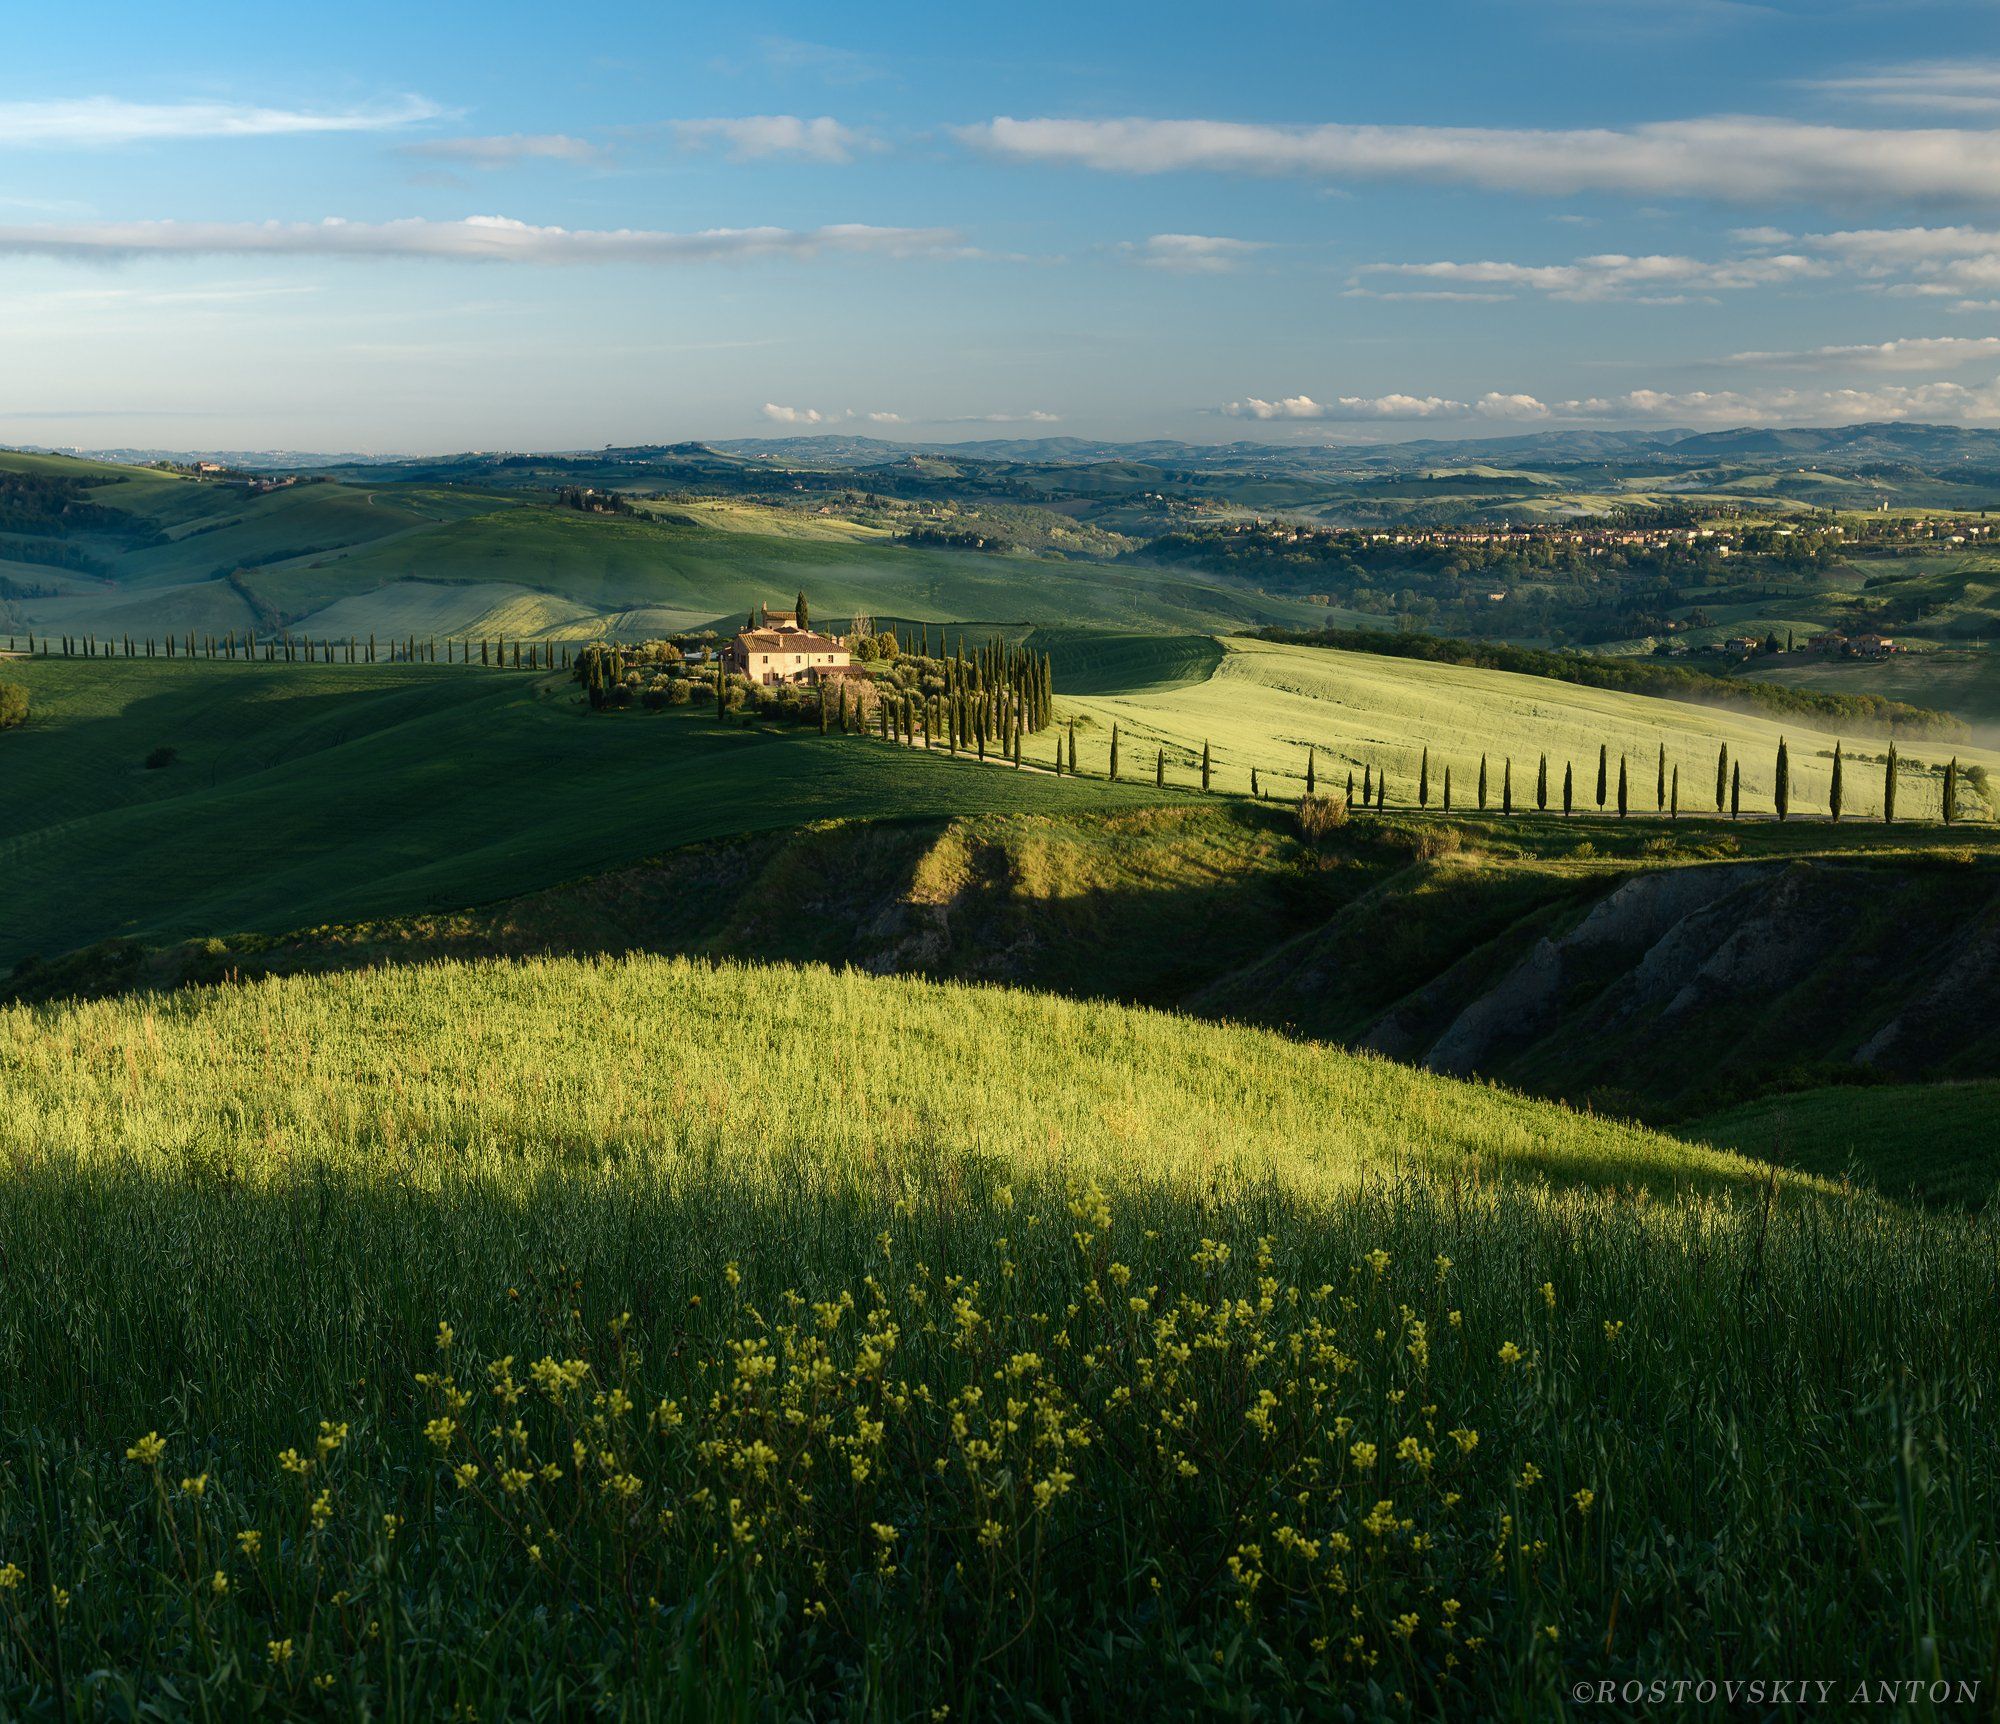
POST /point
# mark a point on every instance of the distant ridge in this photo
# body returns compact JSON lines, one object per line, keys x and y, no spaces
{"x":1841,"y":445}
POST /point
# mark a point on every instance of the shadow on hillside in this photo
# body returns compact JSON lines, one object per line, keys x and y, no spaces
{"x":1145,"y":906}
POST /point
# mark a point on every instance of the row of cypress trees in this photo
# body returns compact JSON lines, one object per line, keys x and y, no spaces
{"x":1666,"y":784}
{"x":303,"y":649}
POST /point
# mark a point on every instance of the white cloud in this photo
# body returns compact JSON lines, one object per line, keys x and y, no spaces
{"x":758,"y":136}
{"x":100,"y":121}
{"x":1035,"y":416}
{"x":1193,"y":253}
{"x":781,"y":415}
{"x":506,"y":151}
{"x":1939,"y":401}
{"x":1425,"y":295}
{"x":1730,"y":157}
{"x":496,"y":239}
{"x":1927,"y":402}
{"x":1944,"y":86}
{"x":1906,"y":353}
{"x":1492,"y":405}
{"x":1611,"y":275}
{"x":1936,"y":262}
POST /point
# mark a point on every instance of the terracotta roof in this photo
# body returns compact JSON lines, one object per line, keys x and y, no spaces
{"x":789,"y":640}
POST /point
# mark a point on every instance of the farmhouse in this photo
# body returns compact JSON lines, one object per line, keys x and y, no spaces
{"x":784,"y":652}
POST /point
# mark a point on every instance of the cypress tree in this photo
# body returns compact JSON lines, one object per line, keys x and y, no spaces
{"x":1542,"y":786}
{"x":822,"y":711}
{"x":1736,"y":791}
{"x":1889,"y":788}
{"x":1482,"y":784}
{"x":1507,"y":786}
{"x":1424,"y":780}
{"x":1381,"y":790}
{"x":1660,"y":789}
{"x":1367,"y":784}
{"x":1833,"y":795}
{"x":1569,"y":785}
{"x":1072,"y":748}
{"x":721,"y":711}
{"x":1721,"y":776}
{"x":1603,"y":764}
{"x":1447,"y":787}
{"x":799,"y":604}
{"x":1309,"y":774}
{"x":1674,"y":803}
{"x":1621,"y":787}
{"x":1951,"y":790}
{"x":1160,"y":769}
{"x":1204,"y":765}
{"x":1114,"y":754}
{"x":1782,"y":789}
{"x":1350,"y":786}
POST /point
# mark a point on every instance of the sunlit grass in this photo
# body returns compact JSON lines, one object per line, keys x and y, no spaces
{"x":819,"y":1344}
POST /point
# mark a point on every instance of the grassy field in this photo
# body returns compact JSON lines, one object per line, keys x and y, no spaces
{"x":1938,"y":1143}
{"x":1263,"y":704}
{"x":340,"y":558}
{"x":1962,"y":680}
{"x":302,"y":794}
{"x":698,"y":1342}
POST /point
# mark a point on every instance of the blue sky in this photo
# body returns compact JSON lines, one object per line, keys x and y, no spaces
{"x":432,"y":226}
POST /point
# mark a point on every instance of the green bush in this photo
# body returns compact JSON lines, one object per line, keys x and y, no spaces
{"x":13,"y":705}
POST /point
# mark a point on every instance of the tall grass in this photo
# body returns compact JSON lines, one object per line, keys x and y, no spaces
{"x":822,"y":1345}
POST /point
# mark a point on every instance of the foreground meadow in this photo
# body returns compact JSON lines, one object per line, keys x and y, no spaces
{"x":662,"y":1340}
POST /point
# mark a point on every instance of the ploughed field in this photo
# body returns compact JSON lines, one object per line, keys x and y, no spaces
{"x":534,"y":1337}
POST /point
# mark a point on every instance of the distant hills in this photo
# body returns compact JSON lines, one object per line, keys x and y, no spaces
{"x":1840,"y":445}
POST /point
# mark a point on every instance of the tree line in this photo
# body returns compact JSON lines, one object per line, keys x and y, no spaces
{"x":493,"y":650}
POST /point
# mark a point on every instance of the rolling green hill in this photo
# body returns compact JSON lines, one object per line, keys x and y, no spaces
{"x":309,"y":793}
{"x":1263,"y":704}
{"x":166,"y":551}
{"x":516,"y":1324}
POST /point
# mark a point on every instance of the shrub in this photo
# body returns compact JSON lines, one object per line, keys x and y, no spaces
{"x":13,"y":705}
{"x":1320,"y":815}
{"x":161,"y":758}
{"x":1432,"y":843}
